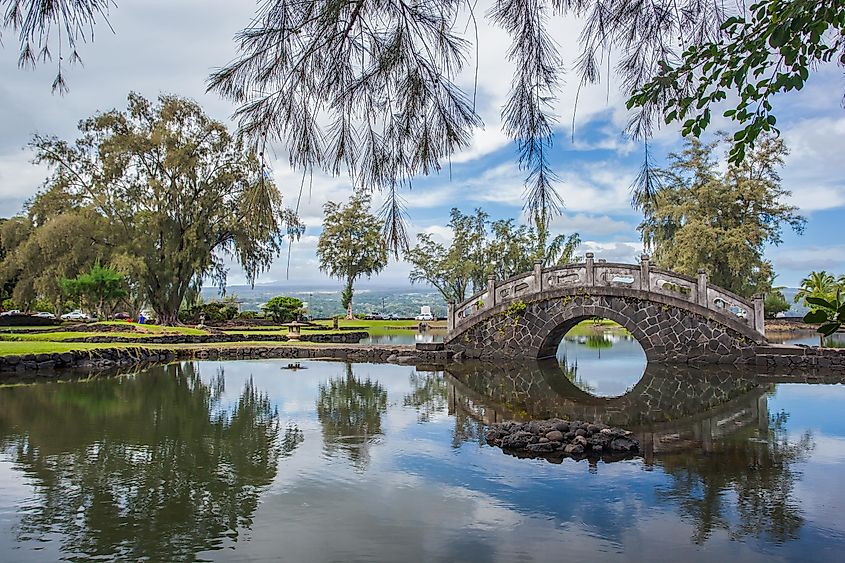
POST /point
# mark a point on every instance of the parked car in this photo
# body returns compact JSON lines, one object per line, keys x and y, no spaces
{"x":76,"y":316}
{"x":44,"y":315}
{"x":425,"y":317}
{"x":121,"y":317}
{"x":12,"y":313}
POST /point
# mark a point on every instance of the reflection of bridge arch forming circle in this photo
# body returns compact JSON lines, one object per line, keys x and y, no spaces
{"x":667,"y":328}
{"x":666,"y":400}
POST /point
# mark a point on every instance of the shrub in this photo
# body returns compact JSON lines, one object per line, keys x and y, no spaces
{"x":282,"y":309}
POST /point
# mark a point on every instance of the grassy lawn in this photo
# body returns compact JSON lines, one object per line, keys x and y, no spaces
{"x":46,"y":347}
{"x":152,"y":329}
{"x":588,"y":328}
{"x":24,"y":340}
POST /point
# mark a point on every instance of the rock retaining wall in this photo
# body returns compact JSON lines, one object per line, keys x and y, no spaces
{"x":105,"y":357}
{"x":806,"y":358}
{"x":114,"y":357}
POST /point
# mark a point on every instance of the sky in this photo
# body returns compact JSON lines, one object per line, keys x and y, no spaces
{"x":171,"y":47}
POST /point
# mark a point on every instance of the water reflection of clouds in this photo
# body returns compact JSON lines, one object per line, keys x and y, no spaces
{"x":421,"y":495}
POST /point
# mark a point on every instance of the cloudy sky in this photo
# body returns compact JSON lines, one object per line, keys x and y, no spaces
{"x":165,"y":46}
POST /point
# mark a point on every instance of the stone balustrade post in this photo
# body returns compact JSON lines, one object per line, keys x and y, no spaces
{"x":591,"y":271}
{"x":450,"y":316}
{"x":759,"y":314}
{"x":491,"y":291}
{"x":701,"y":287}
{"x":645,"y":272}
{"x":538,"y":275}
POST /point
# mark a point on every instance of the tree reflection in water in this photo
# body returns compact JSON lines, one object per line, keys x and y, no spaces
{"x":350,"y":412}
{"x":430,"y":394}
{"x":141,"y":467}
{"x":570,"y":372}
{"x":758,"y":470}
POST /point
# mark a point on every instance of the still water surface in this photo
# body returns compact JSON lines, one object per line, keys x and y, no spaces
{"x":334,"y":462}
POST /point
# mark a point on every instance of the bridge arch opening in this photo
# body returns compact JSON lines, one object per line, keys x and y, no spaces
{"x":599,"y":355}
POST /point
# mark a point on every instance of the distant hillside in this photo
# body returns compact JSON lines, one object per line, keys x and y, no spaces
{"x":325,"y":301}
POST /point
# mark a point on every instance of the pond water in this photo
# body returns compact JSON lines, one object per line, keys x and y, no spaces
{"x":321,"y":461}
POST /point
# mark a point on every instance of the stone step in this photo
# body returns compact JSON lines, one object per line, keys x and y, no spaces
{"x":431,"y":346}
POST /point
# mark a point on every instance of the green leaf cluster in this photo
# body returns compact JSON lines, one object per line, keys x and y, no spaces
{"x":771,"y":49}
{"x":100,"y":289}
{"x":825,"y":295}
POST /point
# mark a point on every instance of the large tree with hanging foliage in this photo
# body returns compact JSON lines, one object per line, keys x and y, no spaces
{"x":720,"y":221}
{"x":162,"y":189}
{"x":371,"y":88}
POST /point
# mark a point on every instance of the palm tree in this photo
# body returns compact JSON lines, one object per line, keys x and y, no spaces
{"x":817,"y":284}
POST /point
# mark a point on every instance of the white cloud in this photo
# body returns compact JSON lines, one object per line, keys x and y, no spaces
{"x":625,"y":252}
{"x":19,"y":180}
{"x":815,"y":145}
{"x":810,"y":257}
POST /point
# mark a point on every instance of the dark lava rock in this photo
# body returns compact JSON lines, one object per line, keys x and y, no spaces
{"x":555,"y":436}
{"x":574,"y":449}
{"x":599,"y":440}
{"x":541,"y":448}
{"x":624,"y":445}
{"x":519,"y":440}
{"x":562,"y":427}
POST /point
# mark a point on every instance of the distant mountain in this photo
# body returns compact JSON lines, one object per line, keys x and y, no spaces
{"x":795,"y":309}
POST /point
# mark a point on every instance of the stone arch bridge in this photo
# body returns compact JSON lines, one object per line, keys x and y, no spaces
{"x":675,"y":318}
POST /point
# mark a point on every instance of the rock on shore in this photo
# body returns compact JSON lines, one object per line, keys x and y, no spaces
{"x":556,"y":436}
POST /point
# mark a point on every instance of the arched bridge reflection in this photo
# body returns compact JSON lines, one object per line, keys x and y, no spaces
{"x":670,"y":408}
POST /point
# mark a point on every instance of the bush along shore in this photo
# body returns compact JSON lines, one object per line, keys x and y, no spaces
{"x":560,"y":438}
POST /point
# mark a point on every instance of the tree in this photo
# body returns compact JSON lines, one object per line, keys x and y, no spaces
{"x":816,"y":284}
{"x":702,"y":218}
{"x":475,"y":252}
{"x":46,"y":246}
{"x":825,"y":296}
{"x":283,"y":309}
{"x":457,"y":268}
{"x":513,"y":249}
{"x":351,"y":244}
{"x":172,"y":188}
{"x":101,"y":287}
{"x":774,"y":303}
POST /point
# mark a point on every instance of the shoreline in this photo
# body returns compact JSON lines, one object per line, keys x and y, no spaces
{"x":791,"y":361}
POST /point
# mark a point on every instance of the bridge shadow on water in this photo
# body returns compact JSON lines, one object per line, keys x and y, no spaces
{"x":671,"y":408}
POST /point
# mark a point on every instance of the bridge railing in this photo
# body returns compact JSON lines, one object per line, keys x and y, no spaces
{"x":592,"y":273}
